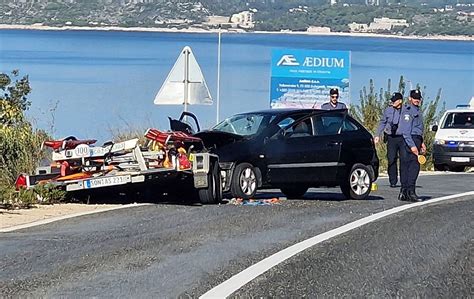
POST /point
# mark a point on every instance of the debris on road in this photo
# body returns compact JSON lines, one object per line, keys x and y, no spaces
{"x":255,"y":202}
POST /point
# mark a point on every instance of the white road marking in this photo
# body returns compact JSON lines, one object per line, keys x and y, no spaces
{"x":237,"y":281}
{"x":45,"y":221}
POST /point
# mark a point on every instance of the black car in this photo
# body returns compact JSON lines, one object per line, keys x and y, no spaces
{"x":293,"y":150}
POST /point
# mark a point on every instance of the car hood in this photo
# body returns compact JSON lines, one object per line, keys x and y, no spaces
{"x":217,"y":139}
{"x":456,"y":134}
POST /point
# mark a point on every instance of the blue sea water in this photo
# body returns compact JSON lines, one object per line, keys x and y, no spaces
{"x":104,"y":81}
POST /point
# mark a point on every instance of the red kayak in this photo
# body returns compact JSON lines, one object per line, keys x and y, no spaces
{"x":166,"y":137}
{"x":67,"y":143}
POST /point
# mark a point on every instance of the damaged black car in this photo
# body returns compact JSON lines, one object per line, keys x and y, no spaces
{"x":293,"y":150}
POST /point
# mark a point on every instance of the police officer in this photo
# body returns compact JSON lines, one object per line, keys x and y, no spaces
{"x":411,"y":127}
{"x":389,"y":127}
{"x":333,"y":104}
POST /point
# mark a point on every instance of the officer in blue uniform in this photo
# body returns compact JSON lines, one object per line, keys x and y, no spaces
{"x":389,"y":127}
{"x":411,"y":127}
{"x":333,"y":104}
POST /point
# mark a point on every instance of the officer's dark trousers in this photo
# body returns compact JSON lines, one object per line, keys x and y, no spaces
{"x":395,"y":144}
{"x":409,"y":166}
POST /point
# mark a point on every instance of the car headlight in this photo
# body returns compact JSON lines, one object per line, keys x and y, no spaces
{"x":226,"y":165}
{"x":440,"y":141}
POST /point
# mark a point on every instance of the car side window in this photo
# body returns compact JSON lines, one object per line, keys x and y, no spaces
{"x":328,"y":124}
{"x":302,"y":128}
{"x":286,"y":122}
{"x":348,"y":126}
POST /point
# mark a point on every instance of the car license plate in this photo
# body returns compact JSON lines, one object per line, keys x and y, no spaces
{"x":107,"y":181}
{"x":460,"y":159}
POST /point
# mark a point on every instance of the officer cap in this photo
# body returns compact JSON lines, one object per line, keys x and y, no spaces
{"x":415,"y":94}
{"x":334,"y":91}
{"x":396,"y":96}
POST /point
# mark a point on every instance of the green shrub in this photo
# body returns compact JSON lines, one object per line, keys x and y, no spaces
{"x":49,"y":194}
{"x":20,"y":143}
{"x":373,"y":103}
{"x":12,"y":199}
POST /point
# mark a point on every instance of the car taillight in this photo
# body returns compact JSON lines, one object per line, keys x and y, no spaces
{"x":20,"y":182}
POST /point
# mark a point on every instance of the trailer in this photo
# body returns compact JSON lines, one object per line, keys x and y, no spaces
{"x":167,"y":158}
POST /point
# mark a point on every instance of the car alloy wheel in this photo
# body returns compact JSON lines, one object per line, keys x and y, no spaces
{"x":244,"y":181}
{"x":248,"y":181}
{"x":359,"y":181}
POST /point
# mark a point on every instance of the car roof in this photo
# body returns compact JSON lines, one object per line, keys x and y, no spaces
{"x":286,"y":111}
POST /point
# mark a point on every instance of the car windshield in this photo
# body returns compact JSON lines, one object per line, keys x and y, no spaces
{"x":459,"y":120}
{"x":243,"y":124}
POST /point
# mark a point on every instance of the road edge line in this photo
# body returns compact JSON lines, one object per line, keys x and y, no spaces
{"x":54,"y":219}
{"x":226,"y":288}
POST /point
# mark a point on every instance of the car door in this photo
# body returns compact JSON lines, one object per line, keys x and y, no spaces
{"x":296,"y":156}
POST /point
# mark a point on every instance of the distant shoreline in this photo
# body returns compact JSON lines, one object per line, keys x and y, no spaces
{"x":197,"y":30}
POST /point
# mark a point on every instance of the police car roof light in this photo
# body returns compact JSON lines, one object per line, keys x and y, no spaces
{"x":463,"y":106}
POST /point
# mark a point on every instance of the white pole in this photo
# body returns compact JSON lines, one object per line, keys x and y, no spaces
{"x":186,"y":80}
{"x":218,"y":74}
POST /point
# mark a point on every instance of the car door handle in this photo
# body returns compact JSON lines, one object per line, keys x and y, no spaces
{"x":333,"y":143}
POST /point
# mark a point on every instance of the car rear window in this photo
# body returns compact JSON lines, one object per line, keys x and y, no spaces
{"x":459,"y":120}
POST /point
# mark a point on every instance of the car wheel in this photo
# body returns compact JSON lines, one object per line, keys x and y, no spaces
{"x":244,"y":181}
{"x":439,"y":167}
{"x":213,"y":193}
{"x":456,"y":168}
{"x":358,"y":182}
{"x":294,"y":191}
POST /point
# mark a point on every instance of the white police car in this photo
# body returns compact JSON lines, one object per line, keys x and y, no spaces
{"x":453,"y":148}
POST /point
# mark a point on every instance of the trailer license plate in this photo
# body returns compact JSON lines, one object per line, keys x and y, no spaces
{"x":460,"y":159}
{"x":107,"y":181}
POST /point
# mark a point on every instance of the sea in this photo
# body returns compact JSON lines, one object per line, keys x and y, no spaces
{"x":98,"y":84}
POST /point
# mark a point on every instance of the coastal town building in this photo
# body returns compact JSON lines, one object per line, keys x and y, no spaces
{"x":243,"y":19}
{"x":372,"y":2}
{"x":378,"y":25}
{"x":318,"y":29}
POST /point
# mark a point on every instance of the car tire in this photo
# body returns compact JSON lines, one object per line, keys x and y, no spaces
{"x":244,"y":181}
{"x":213,"y":193}
{"x":439,"y":167}
{"x":292,"y":192}
{"x":357,"y":185}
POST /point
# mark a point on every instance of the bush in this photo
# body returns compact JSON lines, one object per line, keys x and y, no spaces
{"x":11,"y":199}
{"x":49,"y":194}
{"x":372,"y":105}
{"x":20,"y":143}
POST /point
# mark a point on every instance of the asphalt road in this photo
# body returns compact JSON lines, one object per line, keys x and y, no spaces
{"x":168,"y":250}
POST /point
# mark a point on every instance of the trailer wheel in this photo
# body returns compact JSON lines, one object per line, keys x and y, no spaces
{"x":213,"y":193}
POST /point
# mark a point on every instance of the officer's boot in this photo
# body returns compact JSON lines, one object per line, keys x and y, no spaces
{"x":412,"y":195}
{"x":403,"y":196}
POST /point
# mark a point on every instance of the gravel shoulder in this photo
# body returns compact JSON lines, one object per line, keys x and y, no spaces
{"x":10,"y":218}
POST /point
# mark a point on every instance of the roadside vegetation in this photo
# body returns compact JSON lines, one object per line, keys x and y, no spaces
{"x":20,"y":145}
{"x":373,"y":102}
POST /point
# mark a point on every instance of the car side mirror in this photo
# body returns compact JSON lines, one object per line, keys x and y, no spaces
{"x":434,"y":128}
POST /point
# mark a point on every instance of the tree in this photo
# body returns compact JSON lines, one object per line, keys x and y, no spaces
{"x":372,"y":105}
{"x":20,"y":143}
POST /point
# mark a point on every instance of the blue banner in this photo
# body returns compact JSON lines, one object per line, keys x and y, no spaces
{"x":303,"y":78}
